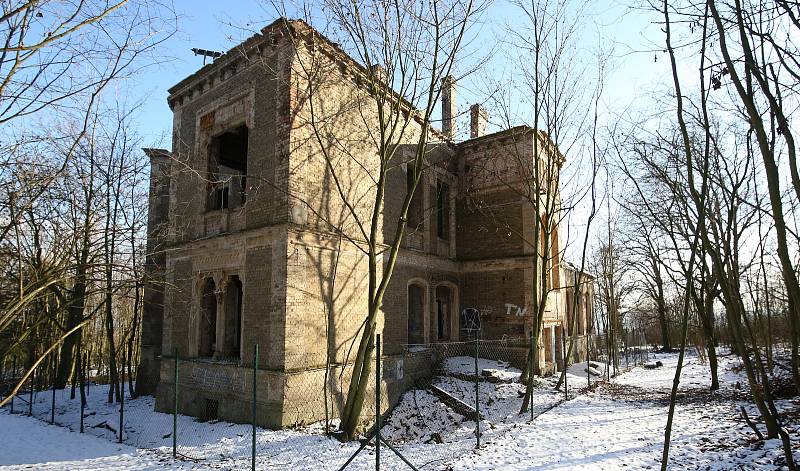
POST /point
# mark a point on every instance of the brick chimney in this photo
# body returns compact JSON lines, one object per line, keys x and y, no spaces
{"x":449,"y":107}
{"x":478,"y":117}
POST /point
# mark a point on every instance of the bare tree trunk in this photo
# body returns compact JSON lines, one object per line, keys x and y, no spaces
{"x":132,"y":334}
{"x":707,"y":320}
{"x":661,"y":309}
{"x":699,"y":201}
{"x":75,"y":310}
{"x":770,"y":169}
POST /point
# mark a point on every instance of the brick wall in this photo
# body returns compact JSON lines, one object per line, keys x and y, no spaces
{"x":153,"y":308}
{"x":180,"y":315}
{"x":262,"y":316}
{"x":239,"y":90}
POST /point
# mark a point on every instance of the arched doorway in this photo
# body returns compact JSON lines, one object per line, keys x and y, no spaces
{"x":208,"y":320}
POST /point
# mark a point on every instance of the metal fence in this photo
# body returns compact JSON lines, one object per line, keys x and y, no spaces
{"x":452,"y":397}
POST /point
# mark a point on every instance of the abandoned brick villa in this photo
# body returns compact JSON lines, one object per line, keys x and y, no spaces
{"x":245,"y":245}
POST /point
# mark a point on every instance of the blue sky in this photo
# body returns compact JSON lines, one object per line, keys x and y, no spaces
{"x":202,"y":24}
{"x":218,"y":25}
{"x":637,"y":69}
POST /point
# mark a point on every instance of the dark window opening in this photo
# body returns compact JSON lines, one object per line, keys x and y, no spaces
{"x":415,"y":208}
{"x":416,"y":306}
{"x":570,"y":314}
{"x":587,"y":314}
{"x":212,"y":410}
{"x":228,"y":169}
{"x":237,"y":344}
{"x":443,"y":210}
{"x":233,"y":318}
{"x":443,"y":303}
{"x":208,"y":320}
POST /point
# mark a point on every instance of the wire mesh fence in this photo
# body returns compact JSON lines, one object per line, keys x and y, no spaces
{"x":437,"y":402}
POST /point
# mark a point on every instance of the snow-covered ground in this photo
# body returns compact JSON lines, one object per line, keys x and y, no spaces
{"x":30,"y":444}
{"x":616,"y":426}
{"x":621,"y":426}
{"x":466,"y":366}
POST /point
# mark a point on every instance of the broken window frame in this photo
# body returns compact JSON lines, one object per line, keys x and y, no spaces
{"x":228,"y":190}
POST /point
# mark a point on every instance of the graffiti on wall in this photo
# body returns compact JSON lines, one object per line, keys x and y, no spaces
{"x":517,"y":310}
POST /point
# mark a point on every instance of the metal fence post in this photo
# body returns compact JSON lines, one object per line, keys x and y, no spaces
{"x":175,"y":411}
{"x":477,"y":395}
{"x":638,"y":351}
{"x":53,"y":397}
{"x":88,"y":368}
{"x":530,"y":373}
{"x":643,"y":342}
{"x":255,"y":390}
{"x":626,"y":345}
{"x":13,"y":378}
{"x":30,"y":393}
{"x":378,"y":402}
{"x":564,"y":358}
{"x":588,"y":359}
{"x":83,"y":387}
{"x":122,"y":404}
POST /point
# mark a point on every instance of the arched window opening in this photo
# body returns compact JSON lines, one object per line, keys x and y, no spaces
{"x":444,"y":303}
{"x":233,"y":318}
{"x":208,"y":320}
{"x":416,"y":308}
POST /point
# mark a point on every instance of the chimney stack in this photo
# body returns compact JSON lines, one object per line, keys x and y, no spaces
{"x":478,"y":117}
{"x":449,"y":107}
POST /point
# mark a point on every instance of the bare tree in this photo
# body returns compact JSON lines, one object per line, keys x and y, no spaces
{"x":404,"y":51}
{"x":740,"y":30}
{"x":557,"y":103}
{"x":72,"y":274}
{"x":719,"y":237}
{"x":56,"y":60}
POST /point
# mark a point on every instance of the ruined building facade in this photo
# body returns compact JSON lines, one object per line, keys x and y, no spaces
{"x":252,"y":244}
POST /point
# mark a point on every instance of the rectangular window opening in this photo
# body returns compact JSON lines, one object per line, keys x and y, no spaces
{"x":415,"y":208}
{"x":228,"y":169}
{"x":443,"y":210}
{"x":212,"y":410}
